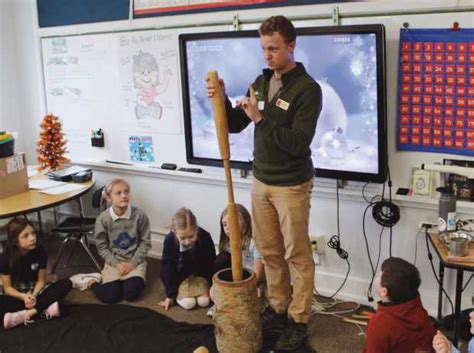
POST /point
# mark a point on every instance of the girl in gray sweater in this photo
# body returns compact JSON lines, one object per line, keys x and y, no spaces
{"x":122,"y":237}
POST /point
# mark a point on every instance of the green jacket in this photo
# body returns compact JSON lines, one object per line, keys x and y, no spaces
{"x":282,"y":154}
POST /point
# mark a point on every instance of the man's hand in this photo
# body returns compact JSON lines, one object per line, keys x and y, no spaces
{"x":211,"y":90}
{"x":441,"y":343}
{"x":250,"y":106}
{"x":167,"y":303}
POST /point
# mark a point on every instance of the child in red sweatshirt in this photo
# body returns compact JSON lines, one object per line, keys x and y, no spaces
{"x":401,"y":324}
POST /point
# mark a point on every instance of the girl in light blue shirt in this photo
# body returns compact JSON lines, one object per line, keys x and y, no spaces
{"x":251,"y":257}
{"x":441,"y":344}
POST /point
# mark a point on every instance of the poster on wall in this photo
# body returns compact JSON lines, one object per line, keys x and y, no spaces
{"x":141,"y":148}
{"x":144,"y":8}
{"x":436,"y":91}
{"x":149,"y":80}
{"x":63,"y":13}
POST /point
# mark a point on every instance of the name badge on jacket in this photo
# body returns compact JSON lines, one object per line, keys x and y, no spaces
{"x":280,"y":103}
{"x":261,"y":105}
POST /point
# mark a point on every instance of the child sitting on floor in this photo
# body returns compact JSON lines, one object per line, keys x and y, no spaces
{"x":441,"y":344}
{"x":401,"y":324}
{"x":252,"y":259}
{"x":122,"y":238}
{"x":23,"y":269}
{"x":187,"y":262}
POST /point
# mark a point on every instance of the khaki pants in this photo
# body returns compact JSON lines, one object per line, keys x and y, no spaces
{"x":110,"y":273}
{"x":280,"y":223}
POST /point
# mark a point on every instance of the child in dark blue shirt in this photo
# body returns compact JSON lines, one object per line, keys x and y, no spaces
{"x":187,"y":262}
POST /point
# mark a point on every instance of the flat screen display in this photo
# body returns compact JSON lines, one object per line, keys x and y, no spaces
{"x":348,"y":62}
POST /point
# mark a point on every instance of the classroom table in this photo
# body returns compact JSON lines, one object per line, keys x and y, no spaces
{"x":460,"y":267}
{"x":34,"y":201}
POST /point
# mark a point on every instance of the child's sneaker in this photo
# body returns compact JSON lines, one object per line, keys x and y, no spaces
{"x":81,"y":280}
{"x":14,"y":319}
{"x":52,"y":311}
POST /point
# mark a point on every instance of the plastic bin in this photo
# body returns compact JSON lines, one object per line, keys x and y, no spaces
{"x":7,"y":148}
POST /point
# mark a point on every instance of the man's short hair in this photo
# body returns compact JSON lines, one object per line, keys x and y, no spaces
{"x":279,"y":24}
{"x":401,"y":278}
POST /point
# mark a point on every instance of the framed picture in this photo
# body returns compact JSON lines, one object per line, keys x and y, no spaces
{"x":422,"y":182}
{"x":462,"y":186}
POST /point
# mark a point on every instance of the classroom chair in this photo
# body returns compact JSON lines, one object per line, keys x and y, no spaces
{"x":77,"y":229}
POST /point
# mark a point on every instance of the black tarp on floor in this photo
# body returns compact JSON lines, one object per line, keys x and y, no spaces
{"x":95,"y":328}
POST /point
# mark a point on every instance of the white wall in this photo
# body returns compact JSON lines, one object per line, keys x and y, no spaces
{"x":160,"y":193}
{"x":9,"y":112}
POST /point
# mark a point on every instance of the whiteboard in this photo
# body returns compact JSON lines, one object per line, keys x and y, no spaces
{"x":125,"y":83}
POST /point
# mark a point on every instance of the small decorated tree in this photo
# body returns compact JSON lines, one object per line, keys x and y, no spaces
{"x":51,"y":146}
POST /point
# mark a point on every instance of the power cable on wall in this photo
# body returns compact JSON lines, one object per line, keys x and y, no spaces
{"x":384,"y":213}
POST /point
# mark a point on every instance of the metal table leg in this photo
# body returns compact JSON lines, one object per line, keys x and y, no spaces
{"x":40,"y":223}
{"x":457,"y":304}
{"x":440,"y":291}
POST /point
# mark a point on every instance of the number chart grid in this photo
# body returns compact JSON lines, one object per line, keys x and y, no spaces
{"x":436,"y":91}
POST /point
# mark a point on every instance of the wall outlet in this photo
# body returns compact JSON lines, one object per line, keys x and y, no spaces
{"x":318,"y":244}
{"x":427,"y":225}
{"x":314,"y":244}
{"x":321,"y":244}
{"x":316,"y":259}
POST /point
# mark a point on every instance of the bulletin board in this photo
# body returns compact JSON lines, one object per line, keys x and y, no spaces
{"x":436,"y":91}
{"x":147,"y":8}
{"x":125,"y":83}
{"x":67,"y":12}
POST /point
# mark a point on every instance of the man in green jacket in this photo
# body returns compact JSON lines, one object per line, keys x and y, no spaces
{"x":284,"y":104}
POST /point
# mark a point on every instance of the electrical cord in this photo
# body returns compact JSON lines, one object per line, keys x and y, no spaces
{"x":335,"y":244}
{"x":396,"y":211}
{"x":340,"y":287}
{"x":416,"y":245}
{"x":430,"y":257}
{"x":361,"y":332}
{"x":386,"y":214}
{"x":366,"y":241}
{"x":369,"y":288}
{"x":371,"y":283}
{"x":373,"y":268}
{"x":319,"y":308}
{"x":363,"y":190}
{"x":339,"y":312}
{"x":390,"y":241}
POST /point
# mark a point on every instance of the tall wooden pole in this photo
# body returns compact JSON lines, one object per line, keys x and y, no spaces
{"x":222,"y":129}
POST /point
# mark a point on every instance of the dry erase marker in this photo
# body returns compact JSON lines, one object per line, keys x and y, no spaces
{"x":117,"y":162}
